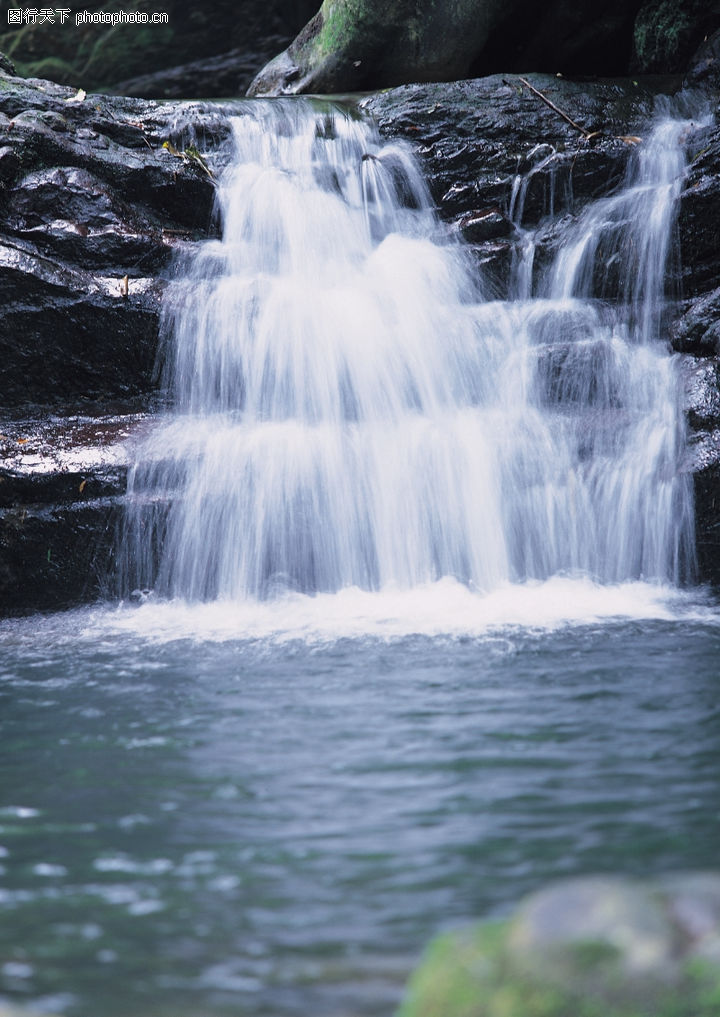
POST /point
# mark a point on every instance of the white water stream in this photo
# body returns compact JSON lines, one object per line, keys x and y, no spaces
{"x":348,"y":410}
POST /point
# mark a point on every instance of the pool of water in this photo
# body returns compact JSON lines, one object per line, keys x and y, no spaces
{"x":267,"y":810}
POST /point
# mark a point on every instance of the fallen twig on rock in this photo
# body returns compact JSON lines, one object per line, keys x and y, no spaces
{"x":629,"y":139}
{"x":548,"y":102}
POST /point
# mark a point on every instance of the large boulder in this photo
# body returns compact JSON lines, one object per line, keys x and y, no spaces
{"x":351,"y":45}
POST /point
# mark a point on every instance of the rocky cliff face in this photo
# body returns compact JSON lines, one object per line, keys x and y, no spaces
{"x":91,"y":208}
{"x":96,"y":195}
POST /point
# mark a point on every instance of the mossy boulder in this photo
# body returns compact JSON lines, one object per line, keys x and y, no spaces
{"x":594,"y":947}
{"x":353,"y":45}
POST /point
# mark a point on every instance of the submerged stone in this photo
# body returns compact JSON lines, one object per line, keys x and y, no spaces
{"x":586,"y":947}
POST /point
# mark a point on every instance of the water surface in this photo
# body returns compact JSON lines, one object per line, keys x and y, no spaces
{"x":260,"y":811}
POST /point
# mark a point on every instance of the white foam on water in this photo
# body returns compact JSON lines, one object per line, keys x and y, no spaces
{"x":446,"y":609}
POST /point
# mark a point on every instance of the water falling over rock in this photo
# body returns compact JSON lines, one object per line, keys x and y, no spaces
{"x":349,"y":410}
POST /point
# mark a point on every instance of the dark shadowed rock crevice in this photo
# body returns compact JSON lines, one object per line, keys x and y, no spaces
{"x":667,"y":33}
{"x":221,"y":76}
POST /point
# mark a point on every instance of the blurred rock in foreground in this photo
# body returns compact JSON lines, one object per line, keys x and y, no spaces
{"x":602,"y":946}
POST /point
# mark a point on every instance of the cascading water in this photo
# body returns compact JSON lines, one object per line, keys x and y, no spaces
{"x":348,"y":409}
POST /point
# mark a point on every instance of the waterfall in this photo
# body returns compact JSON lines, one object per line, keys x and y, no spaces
{"x":348,"y":409}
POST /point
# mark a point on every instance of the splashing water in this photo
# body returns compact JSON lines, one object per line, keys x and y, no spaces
{"x":349,"y":411}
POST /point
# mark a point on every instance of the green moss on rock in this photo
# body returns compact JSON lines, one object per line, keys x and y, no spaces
{"x":100,"y":55}
{"x":456,"y":979}
{"x":52,"y":68}
{"x":341,"y":22}
{"x":601,"y":962}
{"x":667,"y":32}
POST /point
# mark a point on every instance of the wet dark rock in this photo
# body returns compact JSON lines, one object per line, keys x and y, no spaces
{"x":72,"y":214}
{"x":54,"y":557}
{"x":93,"y":205}
{"x":64,"y":351}
{"x":61,"y":487}
{"x":707,"y":508}
{"x":702,"y":391}
{"x":477,"y":139}
{"x":484,"y":224}
{"x":493,"y":260}
{"x":702,"y":404}
{"x":69,"y":336}
{"x":9,"y":164}
{"x":699,"y":220}
{"x":148,"y":175}
{"x":92,"y":210}
{"x":704,"y":69}
{"x":697,"y":330}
